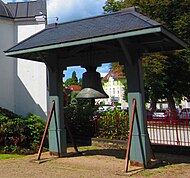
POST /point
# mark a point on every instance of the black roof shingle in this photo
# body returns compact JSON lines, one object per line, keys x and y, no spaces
{"x":152,"y":36}
{"x":4,"y":11}
{"x":27,"y":9}
{"x":122,"y":21}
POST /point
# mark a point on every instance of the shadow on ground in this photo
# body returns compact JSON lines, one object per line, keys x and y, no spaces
{"x":118,"y":153}
{"x":172,"y":158}
{"x":163,"y":158}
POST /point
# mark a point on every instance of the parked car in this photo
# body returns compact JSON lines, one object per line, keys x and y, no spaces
{"x":160,"y":114}
{"x":125,"y":108}
{"x":105,"y":108}
{"x":185,"y":113}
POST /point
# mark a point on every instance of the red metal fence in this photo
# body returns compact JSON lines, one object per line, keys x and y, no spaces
{"x":170,"y":132}
{"x":162,"y":131}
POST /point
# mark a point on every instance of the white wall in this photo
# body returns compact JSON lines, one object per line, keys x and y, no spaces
{"x":22,"y":83}
{"x":7,"y":66}
{"x":112,"y":89}
{"x":31,"y":79}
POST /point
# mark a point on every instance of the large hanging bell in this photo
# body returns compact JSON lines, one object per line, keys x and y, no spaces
{"x":91,"y":85}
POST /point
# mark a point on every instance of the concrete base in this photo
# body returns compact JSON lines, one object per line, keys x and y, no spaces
{"x":59,"y":155}
{"x":137,"y":164}
{"x":107,"y":143}
{"x":152,"y":164}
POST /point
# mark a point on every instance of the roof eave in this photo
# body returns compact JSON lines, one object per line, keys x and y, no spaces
{"x":158,"y":29}
{"x":84,"y":41}
{"x":174,"y":38}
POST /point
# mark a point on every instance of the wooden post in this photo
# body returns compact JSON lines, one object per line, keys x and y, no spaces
{"x":130,"y":136}
{"x":46,"y":129}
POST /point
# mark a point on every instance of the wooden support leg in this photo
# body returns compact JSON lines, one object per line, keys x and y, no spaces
{"x":130,"y":136}
{"x":46,"y":129}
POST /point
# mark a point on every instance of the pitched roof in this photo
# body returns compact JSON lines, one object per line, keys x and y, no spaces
{"x":125,"y":24}
{"x":75,"y":87}
{"x":113,"y":74}
{"x":27,"y":9}
{"x":4,"y":11}
{"x":118,"y":22}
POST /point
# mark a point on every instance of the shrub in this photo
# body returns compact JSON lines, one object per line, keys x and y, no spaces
{"x":18,"y":134}
{"x":11,"y":131}
{"x":79,"y":120}
{"x":35,"y":126}
{"x":110,"y":124}
{"x":113,"y":125}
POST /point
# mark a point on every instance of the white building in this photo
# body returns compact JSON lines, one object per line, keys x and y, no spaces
{"x":23,"y":84}
{"x":114,"y":86}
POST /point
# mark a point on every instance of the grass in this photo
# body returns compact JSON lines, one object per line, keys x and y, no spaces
{"x":86,"y":148}
{"x":7,"y":156}
{"x":147,"y":174}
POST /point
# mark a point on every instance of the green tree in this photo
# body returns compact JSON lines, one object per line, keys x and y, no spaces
{"x":74,"y":77}
{"x":175,"y":15}
{"x":116,"y":67}
{"x":80,"y":82}
{"x":73,"y":80}
{"x":168,"y":78}
{"x":113,"y":6}
{"x":154,"y":66}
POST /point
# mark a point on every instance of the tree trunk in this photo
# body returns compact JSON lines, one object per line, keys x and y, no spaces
{"x":153,"y":105}
{"x":171,"y":102}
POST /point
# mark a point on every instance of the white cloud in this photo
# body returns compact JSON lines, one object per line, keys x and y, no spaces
{"x":74,"y":9}
{"x":68,"y":10}
{"x":103,"y":74}
{"x":14,"y":0}
{"x":104,"y":69}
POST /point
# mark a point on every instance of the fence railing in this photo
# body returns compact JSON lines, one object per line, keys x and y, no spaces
{"x":170,"y":132}
{"x":167,"y":131}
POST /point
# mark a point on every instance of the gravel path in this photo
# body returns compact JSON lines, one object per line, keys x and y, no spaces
{"x":98,"y":163}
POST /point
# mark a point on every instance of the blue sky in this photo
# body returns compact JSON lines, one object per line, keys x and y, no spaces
{"x":67,"y":10}
{"x":72,"y":10}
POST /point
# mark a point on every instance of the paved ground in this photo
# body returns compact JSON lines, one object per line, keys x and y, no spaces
{"x":94,"y":162}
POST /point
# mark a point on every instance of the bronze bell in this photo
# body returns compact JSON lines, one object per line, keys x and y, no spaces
{"x":91,"y":85}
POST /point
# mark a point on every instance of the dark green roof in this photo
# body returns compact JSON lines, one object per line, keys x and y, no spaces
{"x":119,"y":22}
{"x":126,"y":24}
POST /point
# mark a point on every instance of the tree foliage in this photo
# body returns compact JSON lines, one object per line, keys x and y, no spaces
{"x":116,"y":67}
{"x":153,"y":76}
{"x":73,"y":80}
{"x":166,"y":74}
{"x":74,"y":77}
{"x":173,"y":14}
{"x":80,"y":82}
{"x":113,"y":6}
